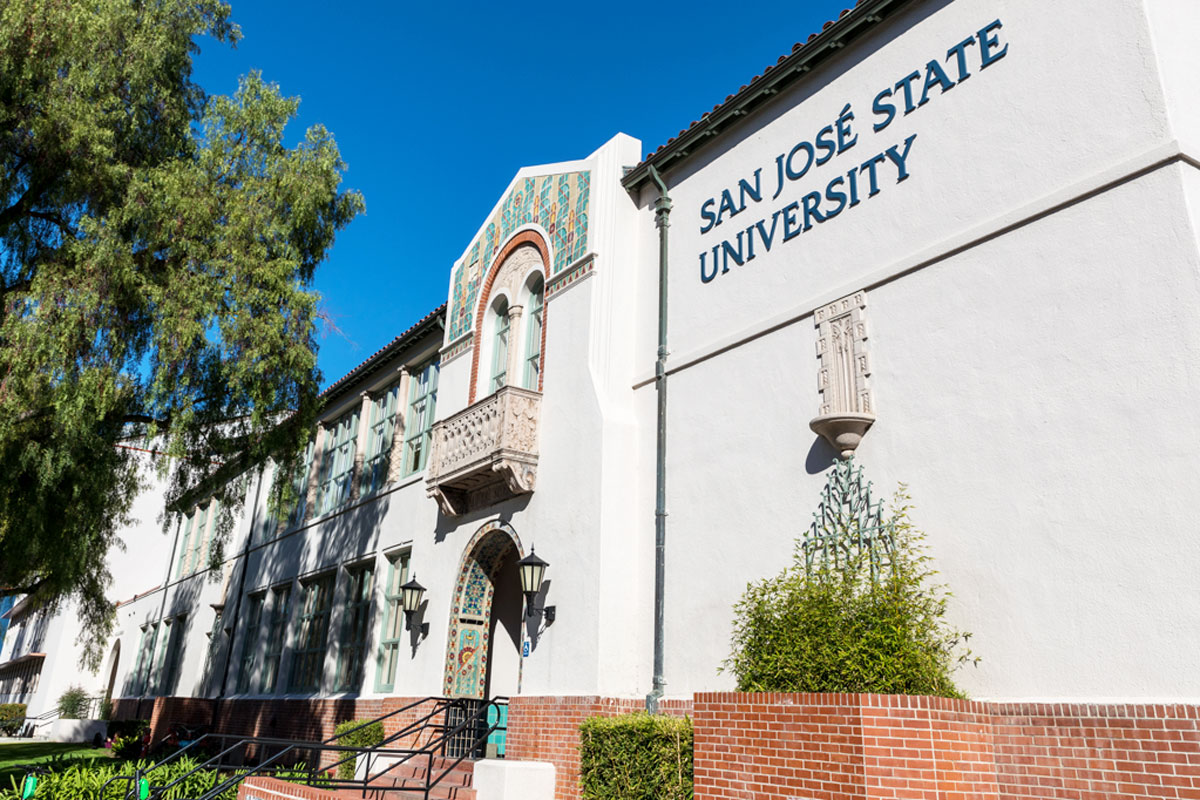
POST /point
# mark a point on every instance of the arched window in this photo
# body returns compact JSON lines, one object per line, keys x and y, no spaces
{"x":500,"y":348}
{"x":533,"y":335}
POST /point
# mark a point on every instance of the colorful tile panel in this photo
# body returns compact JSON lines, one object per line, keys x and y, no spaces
{"x":558,"y":203}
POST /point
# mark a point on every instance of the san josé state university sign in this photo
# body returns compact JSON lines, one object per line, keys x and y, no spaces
{"x":846,"y":189}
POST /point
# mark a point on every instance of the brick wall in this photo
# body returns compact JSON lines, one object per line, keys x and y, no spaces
{"x":303,"y":720}
{"x":842,"y":746}
{"x":547,"y":729}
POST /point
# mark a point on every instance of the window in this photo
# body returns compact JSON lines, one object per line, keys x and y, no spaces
{"x":202,"y":537}
{"x":308,"y":661}
{"x":533,"y":336}
{"x":250,"y":645}
{"x":300,"y":488}
{"x":170,"y":654}
{"x":393,"y":627}
{"x":355,"y":627}
{"x":280,"y":601}
{"x":379,"y":439}
{"x":337,"y":463}
{"x":422,"y":405}
{"x":500,"y":348}
{"x":189,"y":523}
{"x":141,"y":673}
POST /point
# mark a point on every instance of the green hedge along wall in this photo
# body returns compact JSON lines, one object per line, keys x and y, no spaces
{"x":636,"y":757}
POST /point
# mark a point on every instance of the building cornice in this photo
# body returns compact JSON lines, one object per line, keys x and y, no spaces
{"x":762,"y":89}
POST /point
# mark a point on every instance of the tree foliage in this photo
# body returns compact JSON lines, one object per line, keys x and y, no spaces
{"x":157,"y":248}
{"x":840,"y":626}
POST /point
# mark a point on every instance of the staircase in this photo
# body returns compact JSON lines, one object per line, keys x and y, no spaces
{"x":438,"y":762}
{"x":405,"y":782}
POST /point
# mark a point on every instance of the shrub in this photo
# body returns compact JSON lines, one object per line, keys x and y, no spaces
{"x":83,"y":780}
{"x":365,"y":737}
{"x":636,"y":757}
{"x":12,"y":717}
{"x":74,"y":703}
{"x":846,"y":625}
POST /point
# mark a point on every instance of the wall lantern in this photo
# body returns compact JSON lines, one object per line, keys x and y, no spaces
{"x":532,"y":569}
{"x":411,"y":594}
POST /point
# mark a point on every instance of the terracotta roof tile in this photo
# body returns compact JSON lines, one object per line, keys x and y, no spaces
{"x":387,"y":348}
{"x":728,"y":98}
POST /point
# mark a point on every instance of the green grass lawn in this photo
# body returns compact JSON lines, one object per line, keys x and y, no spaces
{"x":16,"y":755}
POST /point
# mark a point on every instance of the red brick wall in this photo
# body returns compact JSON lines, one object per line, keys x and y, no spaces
{"x":304,"y":720}
{"x":838,"y":746}
{"x":547,"y":729}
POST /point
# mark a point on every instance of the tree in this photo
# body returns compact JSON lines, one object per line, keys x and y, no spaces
{"x":157,"y":249}
{"x":857,"y":610}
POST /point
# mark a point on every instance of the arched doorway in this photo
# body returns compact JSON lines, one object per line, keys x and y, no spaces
{"x":483,"y":649}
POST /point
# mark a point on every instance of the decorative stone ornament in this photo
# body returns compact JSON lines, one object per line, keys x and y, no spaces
{"x":846,"y":409}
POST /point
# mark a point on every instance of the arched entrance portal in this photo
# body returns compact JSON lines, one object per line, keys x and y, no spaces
{"x":483,"y":653}
{"x":483,"y":650}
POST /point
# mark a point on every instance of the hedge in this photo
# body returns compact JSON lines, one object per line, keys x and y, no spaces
{"x":12,"y":717}
{"x":365,"y":737}
{"x":636,"y":757}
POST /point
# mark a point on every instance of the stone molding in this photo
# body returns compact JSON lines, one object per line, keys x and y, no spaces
{"x":485,"y":453}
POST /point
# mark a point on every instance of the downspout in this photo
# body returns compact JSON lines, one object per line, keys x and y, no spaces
{"x":662,"y":220}
{"x":237,"y":603}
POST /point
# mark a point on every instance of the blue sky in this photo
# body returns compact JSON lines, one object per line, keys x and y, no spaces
{"x":436,"y":105}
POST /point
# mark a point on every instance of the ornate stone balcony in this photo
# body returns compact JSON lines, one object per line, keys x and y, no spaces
{"x":485,"y":453}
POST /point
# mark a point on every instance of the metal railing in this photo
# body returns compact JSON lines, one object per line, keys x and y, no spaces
{"x":453,"y":731}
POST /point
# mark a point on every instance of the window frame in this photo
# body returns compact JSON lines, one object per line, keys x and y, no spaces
{"x":391,"y":632}
{"x":531,"y":374}
{"x":254,"y":614}
{"x":335,"y":480}
{"x":276,"y":642}
{"x":308,"y":648}
{"x":501,"y":342}
{"x":356,"y":627}
{"x":422,"y":409}
{"x":381,"y":433}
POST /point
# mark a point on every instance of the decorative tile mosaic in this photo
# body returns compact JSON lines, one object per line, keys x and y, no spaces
{"x":558,"y":203}
{"x":467,"y":644}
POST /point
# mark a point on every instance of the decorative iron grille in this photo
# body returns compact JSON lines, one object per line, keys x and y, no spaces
{"x":848,"y":522}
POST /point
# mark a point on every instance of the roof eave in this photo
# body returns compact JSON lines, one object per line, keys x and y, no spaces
{"x":862,"y":18}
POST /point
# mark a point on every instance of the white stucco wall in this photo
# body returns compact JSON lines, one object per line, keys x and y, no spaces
{"x":1020,"y":307}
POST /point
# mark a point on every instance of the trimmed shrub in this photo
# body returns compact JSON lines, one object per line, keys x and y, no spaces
{"x":74,"y":703}
{"x":12,"y":716}
{"x":848,"y":625}
{"x":636,"y":757}
{"x":365,"y":737}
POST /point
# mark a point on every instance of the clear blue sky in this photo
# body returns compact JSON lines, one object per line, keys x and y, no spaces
{"x":436,"y":105}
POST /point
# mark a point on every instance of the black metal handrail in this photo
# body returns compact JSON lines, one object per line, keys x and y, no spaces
{"x":435,"y":747}
{"x":289,"y":746}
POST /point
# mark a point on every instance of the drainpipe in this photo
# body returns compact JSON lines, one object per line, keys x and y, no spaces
{"x":662,"y":219}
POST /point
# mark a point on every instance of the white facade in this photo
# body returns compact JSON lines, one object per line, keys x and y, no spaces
{"x":1028,"y":265}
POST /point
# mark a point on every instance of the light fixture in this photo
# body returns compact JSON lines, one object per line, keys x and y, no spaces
{"x":411,"y":594}
{"x":532,"y":569}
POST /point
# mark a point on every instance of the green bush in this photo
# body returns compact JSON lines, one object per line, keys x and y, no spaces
{"x":636,"y":757}
{"x":12,"y":717}
{"x":83,"y":780}
{"x":363,"y":738}
{"x":845,"y":627}
{"x":74,"y":703}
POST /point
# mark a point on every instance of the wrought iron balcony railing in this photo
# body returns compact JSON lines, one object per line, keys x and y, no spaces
{"x":485,"y":453}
